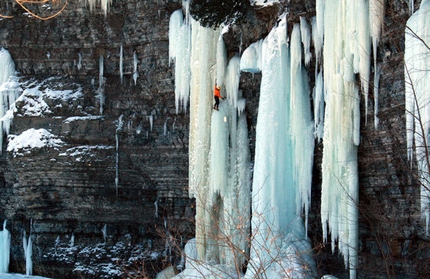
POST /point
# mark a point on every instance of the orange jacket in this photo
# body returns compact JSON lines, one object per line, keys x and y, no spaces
{"x":217,"y":90}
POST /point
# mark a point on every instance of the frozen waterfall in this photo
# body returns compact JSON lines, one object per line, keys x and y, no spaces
{"x":219,"y":152}
{"x":348,"y":29}
{"x":417,"y":86}
{"x":9,"y":91}
{"x":283,"y":158}
{"x":5,"y":238}
{"x":343,"y":32}
{"x":219,"y":161}
{"x":339,"y":214}
{"x":179,"y":52}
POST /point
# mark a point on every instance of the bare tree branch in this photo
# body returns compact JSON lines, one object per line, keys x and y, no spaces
{"x":417,"y":37}
{"x":23,"y":3}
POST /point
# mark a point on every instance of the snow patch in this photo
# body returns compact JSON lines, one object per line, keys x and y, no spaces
{"x":264,"y":3}
{"x":82,"y":118}
{"x":23,"y":144}
{"x":84,"y":151}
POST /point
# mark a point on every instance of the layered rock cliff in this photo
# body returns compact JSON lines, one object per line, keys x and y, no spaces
{"x":70,"y":192}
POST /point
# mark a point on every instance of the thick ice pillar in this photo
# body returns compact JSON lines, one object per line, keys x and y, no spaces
{"x":203,"y":61}
{"x":179,"y":53}
{"x":8,"y":91}
{"x":283,"y":158}
{"x":219,"y":163}
{"x":417,"y":86}
{"x":346,"y":52}
{"x":5,"y":239}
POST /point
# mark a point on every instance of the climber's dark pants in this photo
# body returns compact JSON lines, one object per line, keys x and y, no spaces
{"x":216,"y":102}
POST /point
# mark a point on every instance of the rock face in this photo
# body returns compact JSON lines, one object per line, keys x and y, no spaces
{"x":113,"y":196}
{"x":70,"y":192}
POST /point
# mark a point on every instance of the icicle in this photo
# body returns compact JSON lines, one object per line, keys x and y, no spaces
{"x":104,"y":232}
{"x":135,"y":63}
{"x":301,"y":127}
{"x":296,"y":51}
{"x":232,"y":77}
{"x":175,"y":24}
{"x":186,"y":4}
{"x":101,"y":71}
{"x":156,"y":208}
{"x":72,"y":241}
{"x":151,"y":122}
{"x":79,"y":61}
{"x":318,"y":28}
{"x":100,"y":91}
{"x":168,"y":243}
{"x":280,"y":167}
{"x":241,"y":104}
{"x":57,"y":242}
{"x":179,"y":52}
{"x":28,"y":252}
{"x":363,"y":45}
{"x":346,"y":52}
{"x":5,"y":239}
{"x":118,"y":128}
{"x":174,"y":124}
{"x":305,"y":32}
{"x":376,"y":19}
{"x":251,"y":58}
{"x":101,"y":96}
{"x":376,"y":93}
{"x":417,"y":99}
{"x":121,"y":57}
{"x":104,"y":4}
{"x":7,"y":66}
{"x":8,"y":91}
{"x":319,"y":106}
{"x":165,"y":127}
{"x":221,"y":63}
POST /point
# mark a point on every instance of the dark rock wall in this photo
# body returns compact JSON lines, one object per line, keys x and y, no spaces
{"x":392,"y":233}
{"x":61,"y":196}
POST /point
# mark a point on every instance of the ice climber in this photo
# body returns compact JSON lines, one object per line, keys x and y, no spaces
{"x":217,"y":95}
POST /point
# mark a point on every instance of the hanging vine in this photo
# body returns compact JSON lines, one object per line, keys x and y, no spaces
{"x":31,"y":7}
